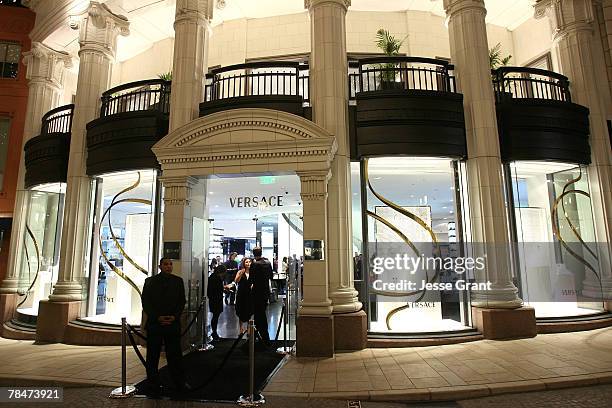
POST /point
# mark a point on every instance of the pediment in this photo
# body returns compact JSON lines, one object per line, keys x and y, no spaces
{"x":246,"y":140}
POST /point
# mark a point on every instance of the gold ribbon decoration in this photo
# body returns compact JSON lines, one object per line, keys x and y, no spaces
{"x":555,"y":227}
{"x":113,"y":203}
{"x":37,"y":250}
{"x":408,"y":242}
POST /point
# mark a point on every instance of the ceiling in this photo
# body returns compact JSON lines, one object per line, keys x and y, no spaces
{"x":152,"y":20}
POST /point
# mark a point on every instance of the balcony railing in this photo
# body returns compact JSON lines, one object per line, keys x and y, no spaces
{"x":530,"y":83}
{"x":258,"y":79}
{"x":151,"y":94}
{"x":58,"y":120}
{"x":401,"y":73}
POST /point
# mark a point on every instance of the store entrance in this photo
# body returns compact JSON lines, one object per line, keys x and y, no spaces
{"x":264,"y":211}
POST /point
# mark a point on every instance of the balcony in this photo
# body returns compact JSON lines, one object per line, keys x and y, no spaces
{"x":536,"y":118}
{"x":278,"y":85}
{"x":133,"y":117}
{"x":405,"y":105}
{"x":46,"y":155}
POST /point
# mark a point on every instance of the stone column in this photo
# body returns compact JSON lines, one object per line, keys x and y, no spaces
{"x":329,"y":98}
{"x":45,"y":74}
{"x":192,"y":31}
{"x":315,"y":329}
{"x":469,"y":52}
{"x":578,"y":48}
{"x":98,"y":31}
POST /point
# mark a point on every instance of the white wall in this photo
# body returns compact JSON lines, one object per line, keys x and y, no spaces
{"x":532,"y":39}
{"x":147,"y":65}
{"x":426,"y":35}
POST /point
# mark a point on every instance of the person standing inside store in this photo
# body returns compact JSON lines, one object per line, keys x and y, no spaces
{"x":232,"y":269}
{"x":259,"y":278}
{"x":244,"y":309}
{"x":215,"y":297}
{"x":163,"y":301}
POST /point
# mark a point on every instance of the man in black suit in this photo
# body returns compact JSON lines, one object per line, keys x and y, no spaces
{"x":163,"y":300}
{"x":259,"y":278}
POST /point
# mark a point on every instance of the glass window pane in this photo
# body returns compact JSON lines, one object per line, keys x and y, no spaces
{"x":556,"y":248}
{"x":123,"y":246}
{"x":12,"y":54}
{"x":40,"y":257}
{"x":412,"y":210}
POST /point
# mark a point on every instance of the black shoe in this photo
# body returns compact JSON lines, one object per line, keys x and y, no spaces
{"x":153,"y":391}
{"x":215,"y":337}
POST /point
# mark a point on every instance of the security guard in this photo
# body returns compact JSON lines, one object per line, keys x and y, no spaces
{"x":163,"y":300}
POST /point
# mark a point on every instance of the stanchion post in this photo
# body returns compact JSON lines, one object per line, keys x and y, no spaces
{"x":251,"y":400}
{"x":285,"y":318}
{"x":206,"y":346}
{"x":125,"y":390}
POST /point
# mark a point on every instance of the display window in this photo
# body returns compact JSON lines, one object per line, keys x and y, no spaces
{"x":556,"y":249}
{"x":412,"y":243}
{"x":125,"y":236}
{"x":41,"y":241}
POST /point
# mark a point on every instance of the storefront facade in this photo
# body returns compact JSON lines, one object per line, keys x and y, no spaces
{"x":398,"y":155}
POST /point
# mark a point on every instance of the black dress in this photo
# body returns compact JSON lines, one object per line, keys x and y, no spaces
{"x":244,"y":309}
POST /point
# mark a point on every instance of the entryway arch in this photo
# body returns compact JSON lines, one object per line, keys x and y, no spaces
{"x":248,"y":141}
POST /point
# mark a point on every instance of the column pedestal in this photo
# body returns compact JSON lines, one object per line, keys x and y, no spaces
{"x":53,"y":317}
{"x":8,"y":303}
{"x":350,"y":331}
{"x":315,"y":336}
{"x":497,"y":324}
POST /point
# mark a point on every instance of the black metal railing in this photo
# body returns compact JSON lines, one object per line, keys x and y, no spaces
{"x":258,"y":79}
{"x":530,"y":83}
{"x":58,"y":120}
{"x":402,"y":73}
{"x":150,"y":94}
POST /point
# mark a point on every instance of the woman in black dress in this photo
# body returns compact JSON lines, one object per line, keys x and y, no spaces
{"x":215,"y":297}
{"x":244,"y":309}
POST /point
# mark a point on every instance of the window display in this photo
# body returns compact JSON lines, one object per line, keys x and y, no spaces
{"x":123,"y":245}
{"x":556,"y":249}
{"x":41,"y":241}
{"x":413,"y":207}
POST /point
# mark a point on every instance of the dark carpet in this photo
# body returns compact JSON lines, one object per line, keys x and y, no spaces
{"x":229,"y":383}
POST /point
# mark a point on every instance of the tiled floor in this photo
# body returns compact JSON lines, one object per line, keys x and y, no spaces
{"x":470,"y":369}
{"x":460,"y":371}
{"x":22,"y":359}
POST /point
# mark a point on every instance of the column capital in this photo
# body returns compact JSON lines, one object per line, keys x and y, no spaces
{"x":45,"y":64}
{"x":177,"y":189}
{"x":566,"y":16}
{"x":314,"y":184}
{"x":313,"y":3}
{"x":454,"y":6}
{"x":99,"y":28}
{"x":193,"y":11}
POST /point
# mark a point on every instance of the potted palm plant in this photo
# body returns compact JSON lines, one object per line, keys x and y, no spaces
{"x":496,"y":60}
{"x":390,"y":46}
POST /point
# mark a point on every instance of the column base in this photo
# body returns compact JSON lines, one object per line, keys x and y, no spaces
{"x":345,"y":300}
{"x":53,"y":317}
{"x":505,"y":323}
{"x":8,"y":304}
{"x":351,"y":331}
{"x":315,"y":336}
